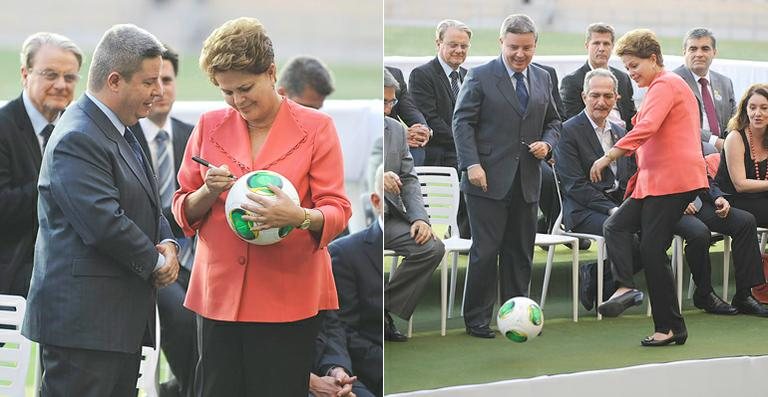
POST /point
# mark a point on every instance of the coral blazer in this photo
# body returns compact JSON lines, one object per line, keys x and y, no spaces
{"x":666,"y":140}
{"x":287,"y":281}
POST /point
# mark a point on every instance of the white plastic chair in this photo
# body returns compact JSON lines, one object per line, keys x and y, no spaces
{"x":16,"y":351}
{"x":602,"y":251}
{"x":148,"y":368}
{"x":440,"y":192}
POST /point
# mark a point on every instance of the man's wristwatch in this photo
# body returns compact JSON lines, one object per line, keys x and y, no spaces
{"x":305,"y":224}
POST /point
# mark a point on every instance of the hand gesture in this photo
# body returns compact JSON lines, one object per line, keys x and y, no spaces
{"x":421,"y":232}
{"x":218,"y":179}
{"x":167,"y":274}
{"x":392,"y":182}
{"x":539,"y":149}
{"x":271,"y":212}
{"x":596,"y":172}
{"x":476,"y":176}
{"x":722,"y":207}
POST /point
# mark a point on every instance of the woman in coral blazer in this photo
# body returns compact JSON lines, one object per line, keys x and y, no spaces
{"x":258,"y":305}
{"x":671,"y":168}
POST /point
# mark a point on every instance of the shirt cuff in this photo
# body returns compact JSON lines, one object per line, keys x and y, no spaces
{"x":473,"y":165}
{"x":713,"y":139}
{"x":160,"y":258}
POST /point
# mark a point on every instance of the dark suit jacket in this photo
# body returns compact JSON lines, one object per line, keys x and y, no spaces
{"x":555,"y":90}
{"x":100,"y":219}
{"x":405,"y":109}
{"x":358,"y":271}
{"x":431,"y":91}
{"x":19,"y":166}
{"x":181,"y":131}
{"x":724,"y":100}
{"x":491,"y":129}
{"x":577,"y":150}
{"x":409,"y":203}
{"x":573,"y":85}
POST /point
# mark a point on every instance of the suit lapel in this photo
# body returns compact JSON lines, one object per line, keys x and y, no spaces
{"x":27,"y":132}
{"x":180,"y":137}
{"x":504,"y":84}
{"x":374,"y":239}
{"x":592,"y":140}
{"x":444,"y":79}
{"x":138,"y":132}
{"x":107,"y":128}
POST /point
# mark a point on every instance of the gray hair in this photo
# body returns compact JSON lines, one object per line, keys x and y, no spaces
{"x":37,"y":40}
{"x":122,"y":49}
{"x":698,"y":33}
{"x":378,"y":181}
{"x":601,"y":27}
{"x":390,"y":81}
{"x":518,"y":24}
{"x":600,"y":72}
{"x":304,"y":71}
{"x":446,"y":24}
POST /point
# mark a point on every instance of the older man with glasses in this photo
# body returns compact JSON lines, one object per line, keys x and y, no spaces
{"x":50,"y":64}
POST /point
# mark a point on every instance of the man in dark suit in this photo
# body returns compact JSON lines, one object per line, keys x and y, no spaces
{"x":504,"y":124}
{"x":586,"y":137}
{"x":307,"y":81}
{"x":434,"y":87}
{"x":407,"y":112}
{"x":599,"y":45}
{"x":713,"y":90}
{"x":103,"y":245}
{"x":355,"y":346}
{"x":168,"y":137}
{"x":407,"y":230}
{"x":49,"y":74}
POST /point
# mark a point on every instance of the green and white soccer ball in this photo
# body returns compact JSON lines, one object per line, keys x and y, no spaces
{"x":256,"y":182}
{"x":520,"y":319}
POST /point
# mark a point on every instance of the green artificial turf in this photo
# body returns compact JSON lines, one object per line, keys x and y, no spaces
{"x":429,"y":360}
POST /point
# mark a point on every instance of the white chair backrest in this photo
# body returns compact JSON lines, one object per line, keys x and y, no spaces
{"x":440,"y":191}
{"x":148,"y":379}
{"x":15,"y":354}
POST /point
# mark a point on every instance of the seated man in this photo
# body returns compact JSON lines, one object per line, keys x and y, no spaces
{"x":586,"y":205}
{"x":355,"y":345}
{"x":407,"y":231}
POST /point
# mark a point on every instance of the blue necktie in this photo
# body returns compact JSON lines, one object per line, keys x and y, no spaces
{"x":164,"y":168}
{"x":521,"y":91}
{"x":137,"y":152}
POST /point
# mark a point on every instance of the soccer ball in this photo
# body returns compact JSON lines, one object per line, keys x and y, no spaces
{"x":520,"y":319}
{"x":256,"y":182}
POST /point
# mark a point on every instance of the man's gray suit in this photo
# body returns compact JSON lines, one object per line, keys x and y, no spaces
{"x":723,"y":98}
{"x":491,"y":129}
{"x":99,"y":222}
{"x":404,"y":289}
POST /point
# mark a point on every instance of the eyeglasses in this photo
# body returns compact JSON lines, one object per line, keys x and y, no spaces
{"x":454,"y":46}
{"x":390,"y":102}
{"x":50,"y":75}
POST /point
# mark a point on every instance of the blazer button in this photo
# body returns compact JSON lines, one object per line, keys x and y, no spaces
{"x":241,"y":260}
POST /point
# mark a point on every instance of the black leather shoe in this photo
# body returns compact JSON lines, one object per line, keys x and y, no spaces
{"x":587,"y":286}
{"x":711,"y":303}
{"x":481,"y":332}
{"x":615,"y":306}
{"x":676,"y":338}
{"x":390,"y":331}
{"x":750,"y":305}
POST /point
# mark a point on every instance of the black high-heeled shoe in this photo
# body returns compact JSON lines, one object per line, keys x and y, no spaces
{"x":677,"y":338}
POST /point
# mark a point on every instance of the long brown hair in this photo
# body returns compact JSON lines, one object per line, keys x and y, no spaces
{"x":740,"y":120}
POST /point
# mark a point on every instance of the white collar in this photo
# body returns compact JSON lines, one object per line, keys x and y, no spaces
{"x":35,"y":117}
{"x":151,"y":129}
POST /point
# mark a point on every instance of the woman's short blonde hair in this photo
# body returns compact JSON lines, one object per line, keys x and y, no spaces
{"x":240,"y":44}
{"x":641,"y":43}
